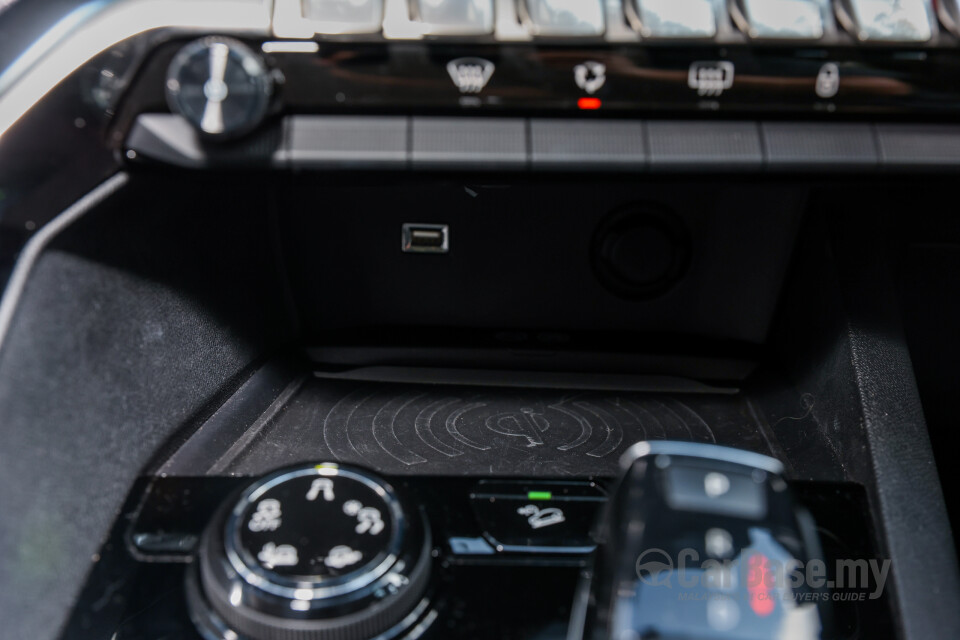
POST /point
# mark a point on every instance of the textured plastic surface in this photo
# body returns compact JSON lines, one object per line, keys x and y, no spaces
{"x":725,"y":146}
{"x":587,"y":144}
{"x":420,"y":429}
{"x":910,"y":146}
{"x":115,"y":345}
{"x":811,"y":146}
{"x":396,"y":143}
{"x":494,"y":143}
{"x":843,"y":333}
{"x":345,"y":141}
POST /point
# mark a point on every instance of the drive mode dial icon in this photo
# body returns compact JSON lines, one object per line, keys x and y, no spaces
{"x":315,"y":552}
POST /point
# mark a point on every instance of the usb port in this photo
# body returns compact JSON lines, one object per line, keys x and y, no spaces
{"x":426,"y":238}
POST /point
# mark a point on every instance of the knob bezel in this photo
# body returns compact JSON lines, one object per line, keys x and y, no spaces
{"x":253,"y":65}
{"x":386,"y":594}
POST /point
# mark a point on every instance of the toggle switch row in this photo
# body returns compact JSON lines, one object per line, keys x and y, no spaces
{"x":881,"y":21}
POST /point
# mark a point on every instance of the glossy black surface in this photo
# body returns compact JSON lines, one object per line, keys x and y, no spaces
{"x":773,"y":81}
{"x":552,"y":516}
{"x":520,"y":597}
{"x":697,"y":544}
{"x":70,"y":141}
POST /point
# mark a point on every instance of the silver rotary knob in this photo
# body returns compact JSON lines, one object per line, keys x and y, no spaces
{"x":220,"y":86}
{"x":318,"y":552}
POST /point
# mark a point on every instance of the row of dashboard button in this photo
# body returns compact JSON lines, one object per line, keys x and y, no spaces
{"x":884,"y":21}
{"x":516,"y":144}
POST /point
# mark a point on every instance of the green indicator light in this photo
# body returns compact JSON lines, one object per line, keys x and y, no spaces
{"x":539,"y":495}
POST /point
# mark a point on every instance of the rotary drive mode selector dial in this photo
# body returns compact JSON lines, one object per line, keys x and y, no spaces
{"x":220,"y":86}
{"x":315,"y":552}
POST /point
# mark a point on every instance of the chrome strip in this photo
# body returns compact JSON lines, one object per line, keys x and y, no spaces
{"x":48,"y":41}
{"x":247,"y":567}
{"x":35,"y":246}
{"x":700,"y":450}
{"x":98,"y":25}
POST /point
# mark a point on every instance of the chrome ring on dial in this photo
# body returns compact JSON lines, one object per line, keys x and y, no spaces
{"x":253,"y":571}
{"x":317,"y":552}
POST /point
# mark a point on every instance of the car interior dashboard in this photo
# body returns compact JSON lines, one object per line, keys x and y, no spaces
{"x":468,"y":319}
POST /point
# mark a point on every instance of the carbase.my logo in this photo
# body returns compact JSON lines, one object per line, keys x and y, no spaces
{"x":654,"y":567}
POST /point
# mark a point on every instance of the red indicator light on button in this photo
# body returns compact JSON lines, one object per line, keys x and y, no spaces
{"x":589,"y":104}
{"x":759,"y":579}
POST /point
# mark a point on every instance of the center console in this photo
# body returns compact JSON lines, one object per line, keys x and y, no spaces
{"x":483,"y":519}
{"x":384,"y":319}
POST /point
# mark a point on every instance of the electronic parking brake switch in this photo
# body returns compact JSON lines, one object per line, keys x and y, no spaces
{"x":542,"y":517}
{"x":699,"y":541}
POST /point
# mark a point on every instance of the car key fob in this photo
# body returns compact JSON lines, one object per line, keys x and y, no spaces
{"x":701,"y":541}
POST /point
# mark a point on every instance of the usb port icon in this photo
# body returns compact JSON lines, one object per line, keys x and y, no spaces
{"x":426,"y":238}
